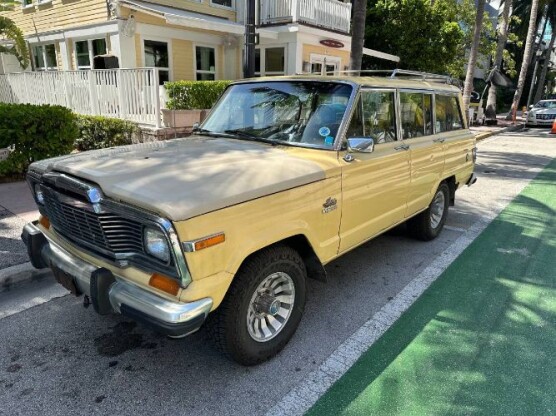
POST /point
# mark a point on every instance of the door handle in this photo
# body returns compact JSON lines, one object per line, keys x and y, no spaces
{"x":439,"y":140}
{"x":402,"y":147}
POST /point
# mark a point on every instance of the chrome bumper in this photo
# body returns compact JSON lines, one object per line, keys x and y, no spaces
{"x":110,"y":293}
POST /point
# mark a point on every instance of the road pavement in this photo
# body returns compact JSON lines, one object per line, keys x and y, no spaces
{"x":59,"y":358}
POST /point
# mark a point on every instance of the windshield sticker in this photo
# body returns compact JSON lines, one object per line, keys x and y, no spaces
{"x":329,"y":141}
{"x":324,"y":131}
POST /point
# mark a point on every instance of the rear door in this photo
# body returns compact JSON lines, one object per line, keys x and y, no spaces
{"x":426,"y":151}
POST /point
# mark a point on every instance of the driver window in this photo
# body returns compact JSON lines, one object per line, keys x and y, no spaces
{"x":378,"y":115}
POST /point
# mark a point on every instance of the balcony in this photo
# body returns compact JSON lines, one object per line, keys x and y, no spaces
{"x":326,"y":14}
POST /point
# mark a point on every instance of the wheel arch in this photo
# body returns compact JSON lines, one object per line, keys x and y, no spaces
{"x":301,"y":244}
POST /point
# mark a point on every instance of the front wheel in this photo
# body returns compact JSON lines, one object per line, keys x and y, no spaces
{"x":428,"y":224}
{"x":263,"y":306}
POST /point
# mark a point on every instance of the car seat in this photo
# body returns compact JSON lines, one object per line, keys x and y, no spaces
{"x":327,"y":116}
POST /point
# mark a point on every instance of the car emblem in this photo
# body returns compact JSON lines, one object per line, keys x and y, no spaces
{"x":330,"y":205}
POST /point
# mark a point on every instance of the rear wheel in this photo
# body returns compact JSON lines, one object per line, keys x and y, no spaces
{"x":263,"y":306}
{"x":428,"y":224}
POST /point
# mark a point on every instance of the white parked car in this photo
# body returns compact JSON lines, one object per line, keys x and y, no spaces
{"x":542,"y":114}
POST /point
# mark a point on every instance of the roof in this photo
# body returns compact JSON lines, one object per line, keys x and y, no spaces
{"x":371,"y":81}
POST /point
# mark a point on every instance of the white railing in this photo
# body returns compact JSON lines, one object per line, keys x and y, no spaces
{"x":328,"y":14}
{"x":129,"y":94}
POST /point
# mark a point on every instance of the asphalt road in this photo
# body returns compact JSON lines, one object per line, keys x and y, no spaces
{"x":59,"y":358}
{"x":12,"y":249}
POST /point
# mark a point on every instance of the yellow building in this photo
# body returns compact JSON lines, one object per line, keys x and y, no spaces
{"x":186,"y":39}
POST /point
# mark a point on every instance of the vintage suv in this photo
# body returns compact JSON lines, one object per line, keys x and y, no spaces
{"x":285,"y":175}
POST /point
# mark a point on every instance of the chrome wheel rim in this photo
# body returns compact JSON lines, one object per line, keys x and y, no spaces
{"x":437,"y":209}
{"x":270,"y":307}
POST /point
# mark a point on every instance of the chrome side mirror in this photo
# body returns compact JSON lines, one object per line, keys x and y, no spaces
{"x":361,"y":144}
{"x":195,"y":127}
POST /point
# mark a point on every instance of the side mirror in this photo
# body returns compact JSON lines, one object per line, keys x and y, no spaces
{"x":531,"y":106}
{"x":195,"y":127}
{"x":361,"y":144}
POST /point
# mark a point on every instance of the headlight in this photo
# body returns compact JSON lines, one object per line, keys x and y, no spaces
{"x":39,"y":194}
{"x":156,"y":244}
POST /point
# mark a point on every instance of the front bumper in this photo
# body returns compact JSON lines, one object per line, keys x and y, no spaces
{"x":109,"y":293}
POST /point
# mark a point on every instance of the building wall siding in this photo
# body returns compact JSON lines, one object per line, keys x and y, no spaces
{"x":182,"y":56}
{"x":203,"y":7}
{"x":59,"y":14}
{"x":322,"y":50}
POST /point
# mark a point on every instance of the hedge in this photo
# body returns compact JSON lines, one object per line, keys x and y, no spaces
{"x":189,"y":95}
{"x":97,"y":132}
{"x":34,"y":132}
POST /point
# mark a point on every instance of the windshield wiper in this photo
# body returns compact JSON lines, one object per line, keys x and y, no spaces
{"x":242,"y":135}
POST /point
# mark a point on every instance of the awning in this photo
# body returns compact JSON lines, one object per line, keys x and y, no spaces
{"x":381,"y":55}
{"x":181,"y":17}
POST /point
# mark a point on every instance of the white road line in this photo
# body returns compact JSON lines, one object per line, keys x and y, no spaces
{"x":308,"y":391}
{"x":451,"y":228}
{"x":305,"y":394}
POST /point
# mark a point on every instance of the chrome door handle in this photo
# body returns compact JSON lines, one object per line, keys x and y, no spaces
{"x":440,"y":140}
{"x":402,"y":147}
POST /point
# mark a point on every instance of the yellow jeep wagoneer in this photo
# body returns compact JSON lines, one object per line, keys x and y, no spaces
{"x":285,"y":175}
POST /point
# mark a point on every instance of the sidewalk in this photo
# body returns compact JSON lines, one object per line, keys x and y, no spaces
{"x":480,"y":340}
{"x":17,"y":207}
{"x":482,"y":132}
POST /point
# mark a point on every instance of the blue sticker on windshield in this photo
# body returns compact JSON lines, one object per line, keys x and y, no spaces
{"x":324,"y":131}
{"x":329,"y":141}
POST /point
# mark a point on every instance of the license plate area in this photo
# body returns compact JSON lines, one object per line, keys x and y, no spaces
{"x":66,"y":280}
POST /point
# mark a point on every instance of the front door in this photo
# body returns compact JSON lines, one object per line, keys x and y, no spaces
{"x":374,"y":185}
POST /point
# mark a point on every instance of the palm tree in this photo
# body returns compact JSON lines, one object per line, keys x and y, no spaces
{"x":358,"y":34}
{"x":551,"y":17}
{"x":530,"y":40}
{"x":502,"y":38}
{"x":18,"y":47}
{"x":468,"y":86}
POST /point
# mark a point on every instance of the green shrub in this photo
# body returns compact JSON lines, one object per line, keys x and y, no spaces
{"x":34,"y":132}
{"x":97,"y":132}
{"x":190,"y":95}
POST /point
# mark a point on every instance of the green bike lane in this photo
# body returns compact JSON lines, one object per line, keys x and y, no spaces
{"x":482,"y":338}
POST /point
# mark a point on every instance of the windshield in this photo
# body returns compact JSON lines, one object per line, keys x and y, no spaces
{"x":546,"y":104}
{"x":283,"y":112}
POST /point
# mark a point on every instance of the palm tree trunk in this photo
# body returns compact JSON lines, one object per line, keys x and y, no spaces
{"x":468,"y":86}
{"x":502,"y":38}
{"x":358,"y":34}
{"x":526,"y":56}
{"x":542,"y":77}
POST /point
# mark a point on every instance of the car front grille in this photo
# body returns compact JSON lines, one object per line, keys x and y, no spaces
{"x":76,"y":220}
{"x":546,"y":116}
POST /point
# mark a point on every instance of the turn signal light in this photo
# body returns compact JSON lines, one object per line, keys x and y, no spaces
{"x":209,"y":241}
{"x":165,"y":283}
{"x":45,"y":222}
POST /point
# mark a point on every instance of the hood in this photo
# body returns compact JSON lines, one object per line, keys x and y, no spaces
{"x":543,"y":110}
{"x":184,"y":178}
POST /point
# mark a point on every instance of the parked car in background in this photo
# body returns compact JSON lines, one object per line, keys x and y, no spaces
{"x":542,"y":114}
{"x":285,"y":175}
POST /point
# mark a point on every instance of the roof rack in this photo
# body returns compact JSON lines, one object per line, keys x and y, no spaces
{"x":396,"y":73}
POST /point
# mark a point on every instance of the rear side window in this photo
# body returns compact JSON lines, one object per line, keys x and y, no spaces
{"x":416,"y":114}
{"x":448,"y":114}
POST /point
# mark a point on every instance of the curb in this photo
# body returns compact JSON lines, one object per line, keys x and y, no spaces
{"x":485,"y":135}
{"x":15,"y":275}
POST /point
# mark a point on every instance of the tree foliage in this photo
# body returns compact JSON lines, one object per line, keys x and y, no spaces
{"x":10,"y":32}
{"x":427,"y":37}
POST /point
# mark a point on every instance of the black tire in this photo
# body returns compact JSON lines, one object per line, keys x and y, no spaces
{"x":227,"y":325}
{"x":422,"y":226}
